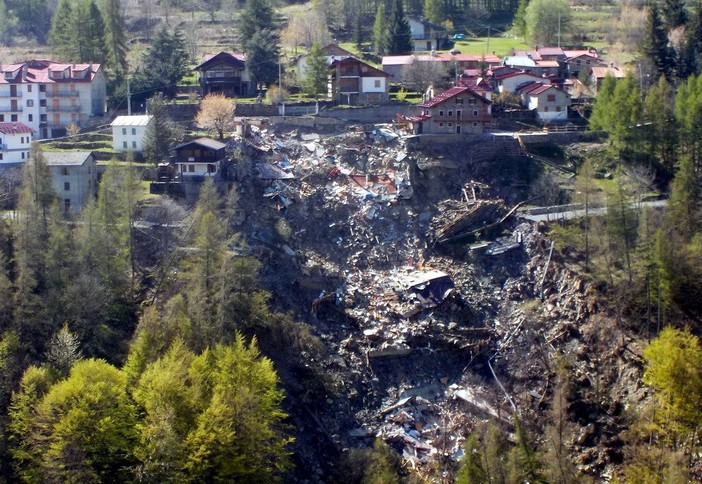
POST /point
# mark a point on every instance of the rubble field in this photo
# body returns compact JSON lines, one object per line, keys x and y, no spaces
{"x":436,"y":305}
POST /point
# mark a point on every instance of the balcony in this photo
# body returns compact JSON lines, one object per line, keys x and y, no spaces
{"x":10,"y":109}
{"x":62,"y":109}
{"x":10,"y":94}
{"x":61,"y":93}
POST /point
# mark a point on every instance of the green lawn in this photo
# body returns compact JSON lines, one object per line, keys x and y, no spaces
{"x":483,"y":45}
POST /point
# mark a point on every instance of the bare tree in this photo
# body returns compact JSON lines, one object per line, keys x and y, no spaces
{"x":420,"y":74}
{"x":216,"y":114}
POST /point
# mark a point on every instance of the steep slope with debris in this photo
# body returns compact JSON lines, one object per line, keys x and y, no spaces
{"x":436,"y":306}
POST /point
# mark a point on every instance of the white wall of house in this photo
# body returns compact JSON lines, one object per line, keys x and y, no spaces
{"x":550,"y":109}
{"x":14,"y":148}
{"x":197,"y":169}
{"x":128,"y":137}
{"x":373,"y":84}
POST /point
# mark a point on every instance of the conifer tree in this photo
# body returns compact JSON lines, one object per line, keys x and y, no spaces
{"x":115,"y":36}
{"x":655,"y":42}
{"x":380,"y":30}
{"x":315,"y":81}
{"x":659,"y":110}
{"x":434,"y":11}
{"x":399,"y":34}
{"x":674,"y":13}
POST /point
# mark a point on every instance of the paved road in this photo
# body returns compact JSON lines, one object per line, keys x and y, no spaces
{"x":569,"y":214}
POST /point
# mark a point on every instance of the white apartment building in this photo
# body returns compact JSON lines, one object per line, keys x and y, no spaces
{"x":48,"y":96}
{"x":129,"y":132}
{"x":15,"y":141}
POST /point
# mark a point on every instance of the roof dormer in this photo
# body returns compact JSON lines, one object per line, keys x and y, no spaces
{"x":59,"y":71}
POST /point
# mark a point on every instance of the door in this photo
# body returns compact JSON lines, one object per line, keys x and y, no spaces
{"x":13,"y":90}
{"x":458,"y":129}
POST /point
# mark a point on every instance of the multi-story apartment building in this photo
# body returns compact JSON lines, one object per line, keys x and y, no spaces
{"x":48,"y":96}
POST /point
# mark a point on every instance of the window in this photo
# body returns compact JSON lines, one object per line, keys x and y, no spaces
{"x":64,"y":170}
{"x":2,"y":118}
{"x":211,"y":168}
{"x":23,"y":155}
{"x":191,"y":168}
{"x":0,"y":156}
{"x":134,"y":144}
{"x":551,"y":98}
{"x":459,"y":100}
{"x":471,"y":101}
{"x":450,"y":113}
{"x":450,"y":125}
{"x":458,"y":114}
{"x":67,"y":205}
{"x":475,"y":113}
{"x":42,"y":118}
{"x":13,"y":118}
{"x":29,"y":88}
{"x":22,"y":140}
{"x":441,"y":113}
{"x":30,"y":103}
{"x":42,"y":103}
{"x":30,"y":117}
{"x":377,"y":83}
{"x":545,"y":109}
{"x":441,"y":125}
{"x":124,"y":131}
{"x":558,"y":109}
{"x":42,"y":87}
{"x":67,"y":186}
{"x":475,"y":125}
{"x":134,"y":131}
{"x":124,"y":145}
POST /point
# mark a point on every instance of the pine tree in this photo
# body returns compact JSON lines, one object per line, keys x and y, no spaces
{"x":380,"y":30}
{"x":674,"y":13}
{"x":161,"y":133}
{"x":315,"y":82}
{"x":399,"y":34}
{"x":90,"y":33}
{"x":262,"y":56}
{"x":60,"y":36}
{"x":434,"y":11}
{"x":164,"y":64}
{"x":115,"y":36}
{"x":659,"y":110}
{"x":519,"y":22}
{"x":257,"y":15}
{"x":655,"y":42}
{"x":683,"y":211}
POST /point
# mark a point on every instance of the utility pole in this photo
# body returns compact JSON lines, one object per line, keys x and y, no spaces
{"x":488,"y":41}
{"x":280,"y":85}
{"x":559,"y":30}
{"x":129,"y":98}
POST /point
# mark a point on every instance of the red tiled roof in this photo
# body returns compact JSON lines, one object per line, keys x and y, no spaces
{"x":539,"y":90}
{"x":448,"y":94}
{"x":367,"y":68}
{"x":514,"y":74}
{"x":550,"y":51}
{"x":38,"y":71}
{"x":527,"y":87}
{"x":15,"y":128}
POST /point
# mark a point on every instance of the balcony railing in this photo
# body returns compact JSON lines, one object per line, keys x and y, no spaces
{"x":9,"y":94}
{"x":63,"y":109}
{"x":10,"y":109}
{"x":61,"y":93}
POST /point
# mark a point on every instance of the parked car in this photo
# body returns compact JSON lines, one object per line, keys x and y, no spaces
{"x":459,"y":37}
